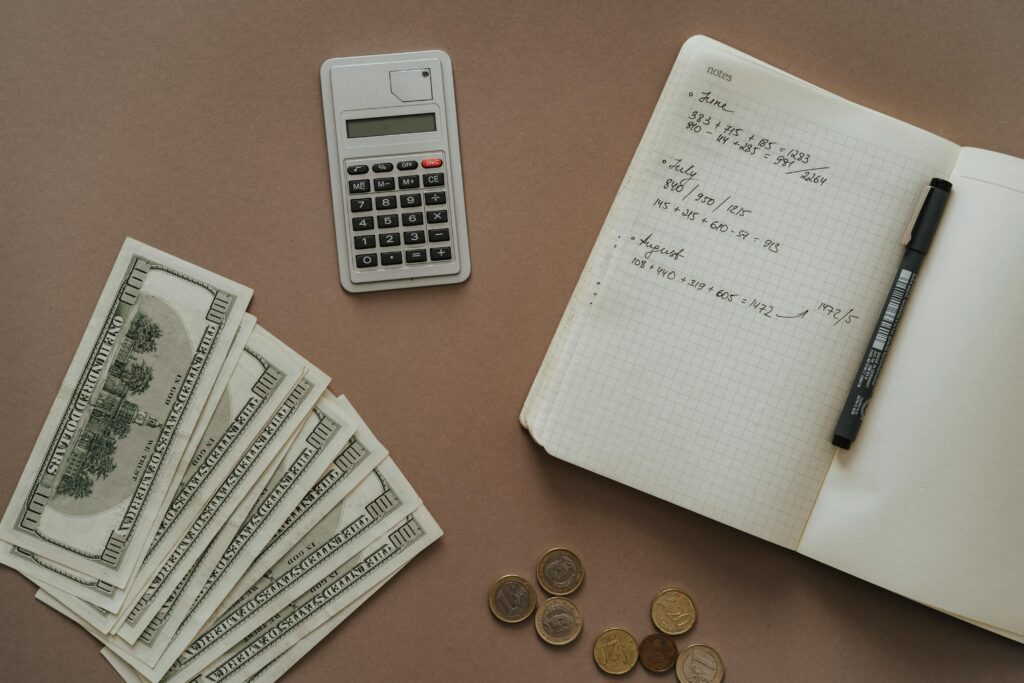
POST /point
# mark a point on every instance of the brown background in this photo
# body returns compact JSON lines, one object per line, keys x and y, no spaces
{"x":198,"y":128}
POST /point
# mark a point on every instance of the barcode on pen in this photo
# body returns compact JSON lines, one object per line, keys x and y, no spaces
{"x":899,"y":291}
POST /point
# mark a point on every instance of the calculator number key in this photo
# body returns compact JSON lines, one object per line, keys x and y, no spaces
{"x":386,"y":203}
{"x":389,"y":220}
{"x":366,"y":260}
{"x":362,"y":223}
{"x":437,"y":216}
{"x":361,"y":204}
{"x":434,"y":198}
{"x":389,"y":239}
{"x":365,"y":241}
{"x":412,"y":219}
{"x":414,"y":237}
{"x":433,"y":179}
{"x":408,"y":201}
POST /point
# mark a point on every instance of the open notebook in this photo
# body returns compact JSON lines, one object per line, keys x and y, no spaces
{"x":714,"y":333}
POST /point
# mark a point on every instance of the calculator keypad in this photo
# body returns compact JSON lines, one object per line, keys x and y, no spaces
{"x":404,"y":219}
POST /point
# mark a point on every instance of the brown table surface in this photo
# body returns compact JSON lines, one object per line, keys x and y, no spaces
{"x":198,"y":128}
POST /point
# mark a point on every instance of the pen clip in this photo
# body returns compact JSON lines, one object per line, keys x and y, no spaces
{"x":908,"y":231}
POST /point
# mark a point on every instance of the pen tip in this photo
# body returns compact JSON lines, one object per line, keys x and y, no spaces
{"x":842,"y":441}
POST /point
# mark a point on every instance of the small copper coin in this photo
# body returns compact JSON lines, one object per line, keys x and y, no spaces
{"x":511,"y":599}
{"x":699,"y":664}
{"x":658,"y":652}
{"x":615,"y":651}
{"x":673,"y":612}
{"x":560,"y":571}
{"x":558,"y":621}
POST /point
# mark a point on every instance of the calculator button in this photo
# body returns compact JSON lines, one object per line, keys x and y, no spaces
{"x":440,"y":254}
{"x":391,"y":258}
{"x":412,"y":219}
{"x":362,"y":223}
{"x":432,"y":163}
{"x":439,"y":235}
{"x":358,"y":186}
{"x":437,"y":216}
{"x":389,"y":239}
{"x":407,"y":165}
{"x":414,"y":237}
{"x":408,"y":182}
{"x":435,"y":198}
{"x":433,"y":179}
{"x":382,"y":184}
{"x":365,"y":241}
{"x":361,"y":204}
{"x":358,"y":170}
{"x":385,"y":203}
{"x":382,"y":167}
{"x":389,"y":220}
{"x":366,"y":260}
{"x":409,"y":200}
{"x":416,"y":256}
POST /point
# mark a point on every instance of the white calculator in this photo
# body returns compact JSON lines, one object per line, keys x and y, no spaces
{"x":396,"y":174}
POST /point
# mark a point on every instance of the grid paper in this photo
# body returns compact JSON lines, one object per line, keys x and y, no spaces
{"x":704,"y":402}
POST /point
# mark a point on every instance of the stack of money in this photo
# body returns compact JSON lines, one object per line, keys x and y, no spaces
{"x":197,"y":500}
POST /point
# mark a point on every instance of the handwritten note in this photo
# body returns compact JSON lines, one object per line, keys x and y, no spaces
{"x":713,"y":335}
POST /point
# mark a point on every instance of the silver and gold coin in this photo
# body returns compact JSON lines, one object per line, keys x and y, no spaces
{"x":511,"y":599}
{"x":673,"y":612}
{"x":699,"y":664}
{"x":560,"y":571}
{"x":558,"y":621}
{"x":615,"y":651}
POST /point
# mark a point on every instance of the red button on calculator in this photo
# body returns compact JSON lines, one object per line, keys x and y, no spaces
{"x":431,"y":163}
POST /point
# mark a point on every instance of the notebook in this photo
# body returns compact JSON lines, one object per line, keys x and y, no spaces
{"x":713,"y":335}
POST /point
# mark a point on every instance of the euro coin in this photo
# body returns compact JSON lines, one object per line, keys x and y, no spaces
{"x":558,"y":621}
{"x":673,"y":612}
{"x":559,"y":571}
{"x":658,"y":652}
{"x":511,"y":599}
{"x":699,"y":664}
{"x":615,"y":651}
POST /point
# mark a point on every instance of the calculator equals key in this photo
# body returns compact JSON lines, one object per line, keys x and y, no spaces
{"x":396,"y":173}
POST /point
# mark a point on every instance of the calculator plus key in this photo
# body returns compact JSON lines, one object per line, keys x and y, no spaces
{"x":434,"y":198}
{"x":440,"y":254}
{"x":408,"y":201}
{"x":412,"y":219}
{"x":433,"y":179}
{"x":437,"y":216}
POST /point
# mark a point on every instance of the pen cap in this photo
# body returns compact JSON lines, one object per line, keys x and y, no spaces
{"x":928,"y":218}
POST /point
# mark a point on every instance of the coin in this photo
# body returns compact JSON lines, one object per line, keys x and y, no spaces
{"x":658,"y":652}
{"x":558,"y":621}
{"x":673,"y":612}
{"x":511,"y":599}
{"x":699,"y":664}
{"x":615,"y":651}
{"x":559,"y":571}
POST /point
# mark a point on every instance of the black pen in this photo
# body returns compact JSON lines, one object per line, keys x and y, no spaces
{"x":921,"y":236}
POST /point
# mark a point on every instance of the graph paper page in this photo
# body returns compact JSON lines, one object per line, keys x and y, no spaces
{"x":715,"y":330}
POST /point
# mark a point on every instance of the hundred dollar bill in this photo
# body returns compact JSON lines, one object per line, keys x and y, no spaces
{"x":89,"y":496}
{"x":45,"y":572}
{"x":319,"y":441}
{"x":377,"y":503}
{"x":264,"y":454}
{"x":327,"y":599}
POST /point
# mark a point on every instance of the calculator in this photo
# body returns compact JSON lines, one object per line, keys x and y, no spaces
{"x":396,"y":173}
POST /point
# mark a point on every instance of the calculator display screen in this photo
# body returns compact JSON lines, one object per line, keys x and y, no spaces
{"x":391,"y":125}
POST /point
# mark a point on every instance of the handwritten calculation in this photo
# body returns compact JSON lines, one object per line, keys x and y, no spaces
{"x":790,"y":160}
{"x":758,"y":305}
